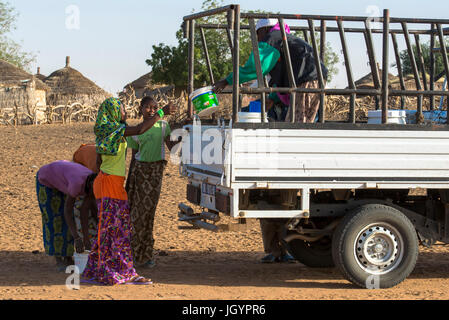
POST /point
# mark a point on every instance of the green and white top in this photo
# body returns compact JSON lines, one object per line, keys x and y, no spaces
{"x":115,"y":165}
{"x":151,"y":144}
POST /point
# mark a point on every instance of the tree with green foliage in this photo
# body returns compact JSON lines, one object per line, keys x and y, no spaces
{"x":10,"y":50}
{"x":425,"y":50}
{"x":169,"y":62}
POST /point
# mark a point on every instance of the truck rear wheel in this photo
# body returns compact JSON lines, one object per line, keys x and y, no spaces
{"x":375,"y":246}
{"x":317,"y":254}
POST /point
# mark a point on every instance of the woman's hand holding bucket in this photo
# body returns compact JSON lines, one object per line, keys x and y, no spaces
{"x":220,"y":85}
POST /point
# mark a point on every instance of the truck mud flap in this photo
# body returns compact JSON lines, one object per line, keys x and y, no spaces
{"x":193,"y":194}
{"x":223,"y":203}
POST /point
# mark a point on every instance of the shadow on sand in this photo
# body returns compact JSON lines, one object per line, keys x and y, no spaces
{"x":221,"y":269}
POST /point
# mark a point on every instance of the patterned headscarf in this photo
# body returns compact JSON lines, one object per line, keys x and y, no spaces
{"x":278,"y":27}
{"x":108,"y":128}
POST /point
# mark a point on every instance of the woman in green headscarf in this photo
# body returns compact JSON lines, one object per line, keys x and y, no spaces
{"x":110,"y":261}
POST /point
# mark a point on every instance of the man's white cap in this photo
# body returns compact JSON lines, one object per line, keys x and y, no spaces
{"x":262,"y":23}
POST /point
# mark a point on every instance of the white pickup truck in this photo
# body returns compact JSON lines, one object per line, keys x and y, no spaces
{"x":358,"y":196}
{"x":345,"y":191}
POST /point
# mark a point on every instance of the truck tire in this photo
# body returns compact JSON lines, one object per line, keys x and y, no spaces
{"x":317,"y":254}
{"x":375,"y":246}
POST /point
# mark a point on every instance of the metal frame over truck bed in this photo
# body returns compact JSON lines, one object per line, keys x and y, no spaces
{"x":343,"y":190}
{"x":423,"y":89}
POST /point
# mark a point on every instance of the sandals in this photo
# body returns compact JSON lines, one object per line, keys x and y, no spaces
{"x":269,"y":259}
{"x":287,"y":258}
{"x":139,"y":280}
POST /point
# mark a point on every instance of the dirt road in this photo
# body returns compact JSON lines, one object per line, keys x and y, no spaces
{"x":191,"y":264}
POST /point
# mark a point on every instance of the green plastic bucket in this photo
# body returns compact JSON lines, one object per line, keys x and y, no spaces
{"x":204,"y":101}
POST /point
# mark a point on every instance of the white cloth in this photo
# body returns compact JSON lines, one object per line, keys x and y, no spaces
{"x":262,"y":23}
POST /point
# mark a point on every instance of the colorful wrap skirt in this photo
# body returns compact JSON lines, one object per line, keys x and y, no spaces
{"x":110,"y":260}
{"x":58,"y":241}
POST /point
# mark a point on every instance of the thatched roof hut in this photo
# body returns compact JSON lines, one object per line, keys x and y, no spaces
{"x":21,"y":94}
{"x":12,"y":75}
{"x":144,"y":86}
{"x":140,"y":85}
{"x":19,"y":89}
{"x":142,"y":82}
{"x":69,"y":86}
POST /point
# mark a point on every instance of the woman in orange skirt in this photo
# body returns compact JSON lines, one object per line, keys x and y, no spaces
{"x":110,"y":261}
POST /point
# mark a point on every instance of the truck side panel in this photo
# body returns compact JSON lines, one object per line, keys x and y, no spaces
{"x":340,"y":155}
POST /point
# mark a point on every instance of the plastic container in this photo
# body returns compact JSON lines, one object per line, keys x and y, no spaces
{"x":204,"y":101}
{"x":249,"y":117}
{"x":436,"y":116}
{"x":393,"y":116}
{"x":81,"y":260}
{"x":433,"y":116}
{"x":255,"y":106}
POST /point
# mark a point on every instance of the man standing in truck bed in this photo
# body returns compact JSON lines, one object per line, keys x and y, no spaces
{"x":272,"y":60}
{"x":270,"y":45}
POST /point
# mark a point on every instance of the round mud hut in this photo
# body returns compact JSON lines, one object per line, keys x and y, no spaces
{"x":20,"y":94}
{"x":69,"y":86}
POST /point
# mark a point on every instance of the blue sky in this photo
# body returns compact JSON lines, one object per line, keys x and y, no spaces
{"x":116,"y":36}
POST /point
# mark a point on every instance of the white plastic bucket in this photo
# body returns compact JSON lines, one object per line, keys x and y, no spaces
{"x":205,"y":101}
{"x":250,"y":117}
{"x":81,"y":260}
{"x":393,"y":116}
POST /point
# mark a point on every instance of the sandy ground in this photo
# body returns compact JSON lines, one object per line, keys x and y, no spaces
{"x":191,"y":264}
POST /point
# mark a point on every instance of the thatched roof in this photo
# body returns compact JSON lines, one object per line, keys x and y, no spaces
{"x":69,"y":81}
{"x":144,"y":86}
{"x":368,"y":82}
{"x":12,"y":75}
{"x":142,"y":82}
{"x":39,"y":75}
